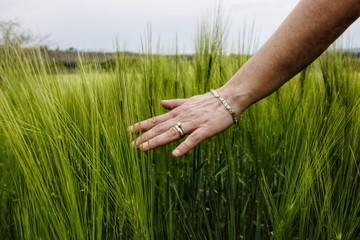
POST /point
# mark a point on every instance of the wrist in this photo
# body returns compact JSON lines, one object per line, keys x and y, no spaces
{"x":238,"y":97}
{"x":226,"y":104}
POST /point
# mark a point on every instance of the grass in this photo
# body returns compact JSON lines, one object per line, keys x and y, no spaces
{"x":289,"y":170}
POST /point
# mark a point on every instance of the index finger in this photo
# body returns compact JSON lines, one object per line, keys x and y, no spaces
{"x":147,"y":124}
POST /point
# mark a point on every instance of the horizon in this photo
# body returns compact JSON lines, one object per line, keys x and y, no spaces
{"x":111,"y":25}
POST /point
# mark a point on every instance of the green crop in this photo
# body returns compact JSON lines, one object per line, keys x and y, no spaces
{"x":289,"y":170}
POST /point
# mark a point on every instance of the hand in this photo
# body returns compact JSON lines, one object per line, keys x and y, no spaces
{"x":201,"y":117}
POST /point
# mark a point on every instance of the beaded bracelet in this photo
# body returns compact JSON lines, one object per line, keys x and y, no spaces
{"x":226,"y":105}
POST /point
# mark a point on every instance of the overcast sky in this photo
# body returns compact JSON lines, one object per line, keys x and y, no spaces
{"x":100,"y":24}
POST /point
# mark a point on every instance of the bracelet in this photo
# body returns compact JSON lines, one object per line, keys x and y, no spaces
{"x":226,"y":105}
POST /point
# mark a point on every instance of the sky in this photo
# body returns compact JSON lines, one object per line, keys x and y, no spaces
{"x":108,"y":25}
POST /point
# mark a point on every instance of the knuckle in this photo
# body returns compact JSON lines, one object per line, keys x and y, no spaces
{"x":172,"y":133}
{"x":154,"y":121}
{"x":153,"y":143}
{"x":159,"y":128}
{"x":194,"y":138}
{"x":173,"y":113}
{"x":190,"y":142}
{"x":205,"y":135}
{"x":186,"y":145}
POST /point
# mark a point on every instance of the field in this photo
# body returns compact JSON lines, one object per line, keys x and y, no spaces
{"x":289,"y":170}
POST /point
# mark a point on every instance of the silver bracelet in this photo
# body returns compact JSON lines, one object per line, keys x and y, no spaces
{"x":226,"y":105}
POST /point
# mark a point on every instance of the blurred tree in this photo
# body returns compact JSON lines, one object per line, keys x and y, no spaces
{"x":12,"y":34}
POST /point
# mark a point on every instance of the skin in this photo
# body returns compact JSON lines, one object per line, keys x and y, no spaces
{"x":304,"y":35}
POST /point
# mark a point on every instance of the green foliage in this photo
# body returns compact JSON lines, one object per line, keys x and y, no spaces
{"x":289,"y":170}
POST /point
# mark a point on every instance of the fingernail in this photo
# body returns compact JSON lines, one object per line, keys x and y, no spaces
{"x":176,"y":153}
{"x":145,"y":146}
{"x":130,"y":129}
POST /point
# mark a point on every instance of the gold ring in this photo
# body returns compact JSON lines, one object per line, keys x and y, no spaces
{"x":180,"y":129}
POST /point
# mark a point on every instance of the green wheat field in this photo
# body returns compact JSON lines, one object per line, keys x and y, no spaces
{"x":289,"y":170}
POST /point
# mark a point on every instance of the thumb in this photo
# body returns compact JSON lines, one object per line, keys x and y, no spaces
{"x":174,"y":103}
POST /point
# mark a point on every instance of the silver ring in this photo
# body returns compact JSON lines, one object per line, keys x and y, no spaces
{"x":180,"y":129}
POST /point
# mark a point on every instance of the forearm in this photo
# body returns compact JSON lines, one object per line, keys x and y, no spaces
{"x":306,"y":33}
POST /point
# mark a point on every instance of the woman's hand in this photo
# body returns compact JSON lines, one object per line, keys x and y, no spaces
{"x":300,"y":39}
{"x":200,"y":117}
